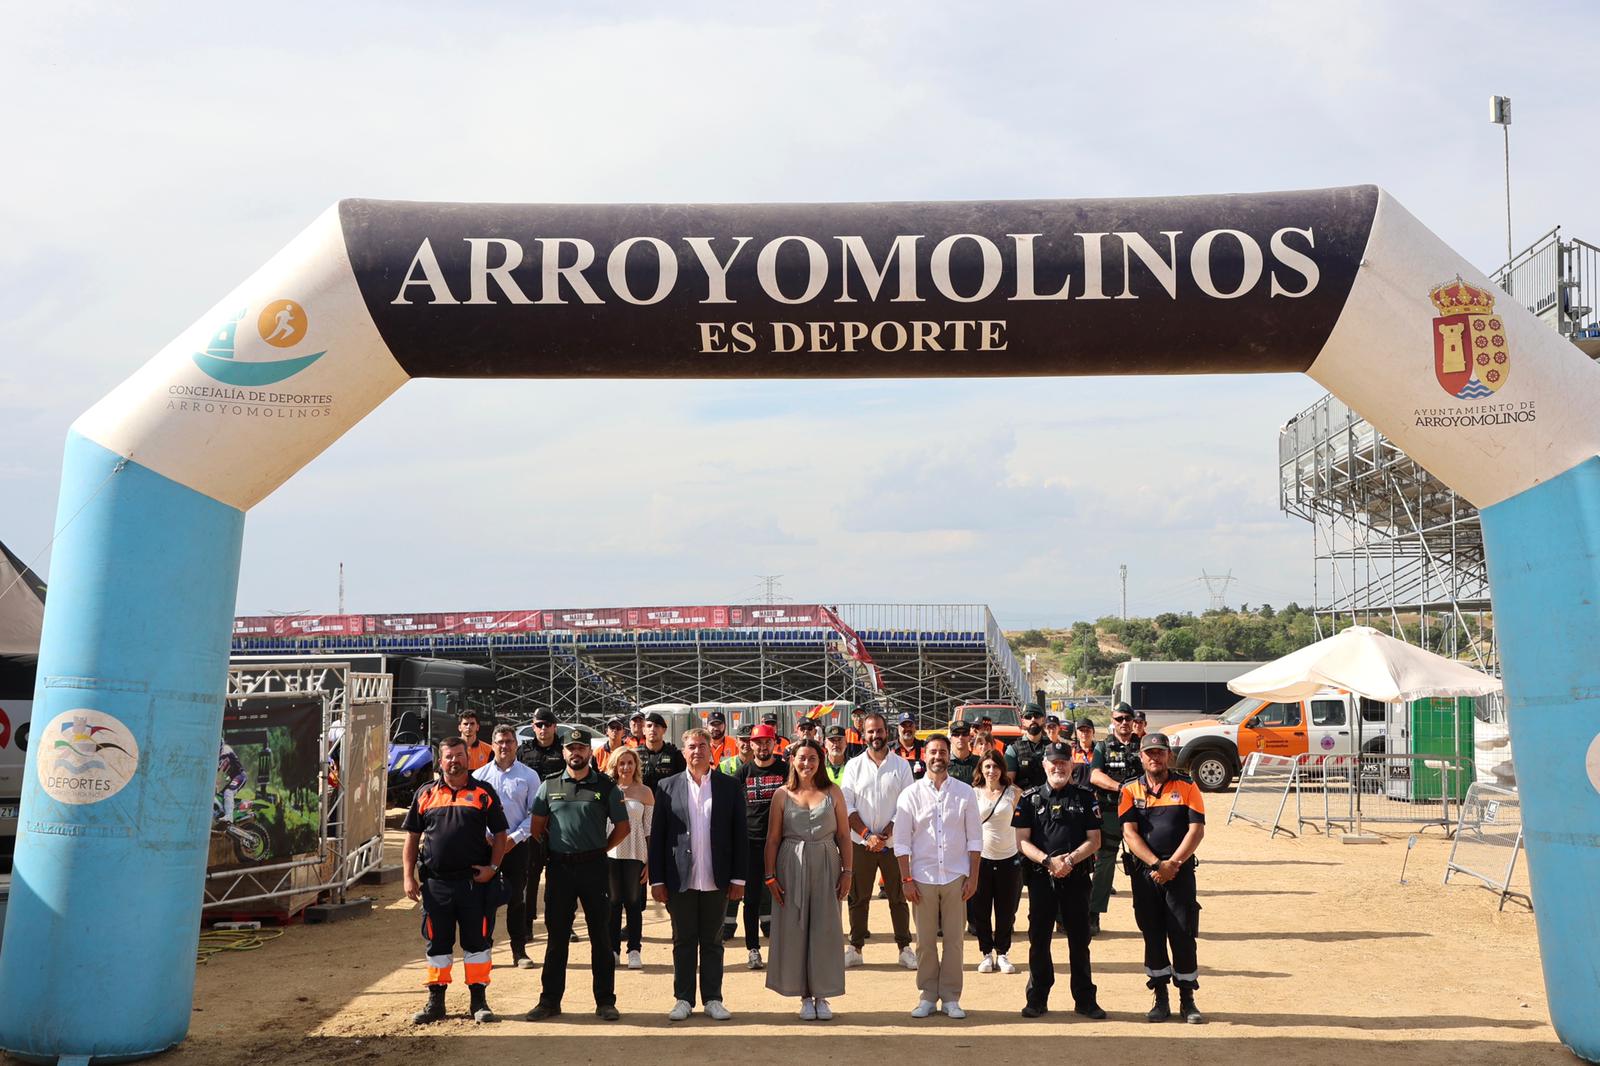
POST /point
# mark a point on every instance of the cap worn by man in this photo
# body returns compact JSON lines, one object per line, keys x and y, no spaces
{"x":960,"y":728}
{"x":1086,"y":723}
{"x":655,"y":718}
{"x":544,"y":717}
{"x":615,"y":723}
{"x":717,"y":716}
{"x":1058,"y":753}
{"x":837,"y":732}
{"x":763,"y":731}
{"x":1155,"y":741}
{"x":636,"y":716}
{"x":574,"y":738}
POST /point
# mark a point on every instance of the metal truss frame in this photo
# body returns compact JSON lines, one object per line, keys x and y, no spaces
{"x":340,"y":690}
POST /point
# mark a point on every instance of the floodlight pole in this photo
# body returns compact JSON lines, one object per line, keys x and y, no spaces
{"x":1500,"y":115}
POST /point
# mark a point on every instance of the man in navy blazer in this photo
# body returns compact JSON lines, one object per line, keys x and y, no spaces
{"x":698,"y":858}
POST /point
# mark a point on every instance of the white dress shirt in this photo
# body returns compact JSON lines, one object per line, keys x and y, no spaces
{"x":516,"y":788}
{"x":939,"y":829}
{"x":871,"y":789}
{"x":702,"y":875}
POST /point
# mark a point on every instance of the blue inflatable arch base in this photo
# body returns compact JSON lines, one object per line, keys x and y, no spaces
{"x":1342,"y":284}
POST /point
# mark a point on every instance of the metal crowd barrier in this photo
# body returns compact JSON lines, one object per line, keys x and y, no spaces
{"x":1263,"y":791}
{"x":1385,"y":788}
{"x":1488,"y":840}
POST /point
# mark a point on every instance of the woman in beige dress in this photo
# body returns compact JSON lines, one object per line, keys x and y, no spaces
{"x":808,"y":830}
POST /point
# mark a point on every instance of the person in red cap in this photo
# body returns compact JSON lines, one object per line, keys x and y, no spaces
{"x":761,"y":777}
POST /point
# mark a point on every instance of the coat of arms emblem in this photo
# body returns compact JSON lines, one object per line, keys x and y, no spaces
{"x":1470,"y":356}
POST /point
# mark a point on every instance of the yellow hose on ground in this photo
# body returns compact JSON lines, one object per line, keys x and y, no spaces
{"x":215,"y":941}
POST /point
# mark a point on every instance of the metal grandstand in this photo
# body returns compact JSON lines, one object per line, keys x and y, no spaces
{"x":1389,"y":539}
{"x":586,"y":665}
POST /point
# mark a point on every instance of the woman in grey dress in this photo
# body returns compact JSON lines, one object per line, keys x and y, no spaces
{"x":807,"y":831}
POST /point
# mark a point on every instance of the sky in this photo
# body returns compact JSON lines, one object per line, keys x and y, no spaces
{"x":159,"y":153}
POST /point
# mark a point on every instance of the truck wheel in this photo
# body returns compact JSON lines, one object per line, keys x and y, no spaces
{"x":1211,"y":772}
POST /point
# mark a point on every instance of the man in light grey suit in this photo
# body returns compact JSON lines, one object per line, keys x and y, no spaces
{"x":698,"y":859}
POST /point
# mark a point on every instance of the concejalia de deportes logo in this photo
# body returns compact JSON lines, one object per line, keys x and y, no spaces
{"x":282,"y":324}
{"x":87,"y":756}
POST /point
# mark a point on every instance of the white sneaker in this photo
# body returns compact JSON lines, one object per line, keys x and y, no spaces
{"x":852,"y":956}
{"x":908,"y":958}
{"x":987,"y":965}
{"x":1003,"y":964}
{"x":824,"y":1012}
{"x":952,"y":1009}
{"x":755,"y":959}
{"x":680,"y":1011}
{"x":634,"y":962}
{"x":717,"y":1012}
{"x":924,"y":1008}
{"x":808,"y":1009}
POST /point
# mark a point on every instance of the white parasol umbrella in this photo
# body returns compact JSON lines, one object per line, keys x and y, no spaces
{"x":1368,"y":663}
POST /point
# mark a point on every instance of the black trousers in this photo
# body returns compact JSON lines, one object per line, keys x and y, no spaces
{"x":1052,"y":900}
{"x":755,"y":896}
{"x":451,"y":906}
{"x":538,"y":859}
{"x":570,"y":884}
{"x":1169,"y":916}
{"x":993,"y":907}
{"x":697,"y":943}
{"x":627,"y":898}
{"x":514,"y":868}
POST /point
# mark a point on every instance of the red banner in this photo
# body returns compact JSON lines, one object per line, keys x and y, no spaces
{"x":764,"y":616}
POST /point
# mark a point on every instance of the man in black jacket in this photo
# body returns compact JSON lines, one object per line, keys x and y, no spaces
{"x":699,"y":855}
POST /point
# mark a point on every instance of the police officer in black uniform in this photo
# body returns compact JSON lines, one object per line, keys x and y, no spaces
{"x":1025,"y":756}
{"x":1058,"y":831}
{"x":658,"y":756}
{"x":571,"y":814}
{"x":1163,"y":822}
{"x":543,"y":756}
{"x":1116,"y":759}
{"x":455,"y":839}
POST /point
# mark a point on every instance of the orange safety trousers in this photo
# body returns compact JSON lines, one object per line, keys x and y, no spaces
{"x":457,"y":906}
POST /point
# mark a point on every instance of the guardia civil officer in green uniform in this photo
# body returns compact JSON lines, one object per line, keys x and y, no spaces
{"x":579,"y":814}
{"x":1116,"y":759}
{"x":1025,"y":756}
{"x":1058,"y":831}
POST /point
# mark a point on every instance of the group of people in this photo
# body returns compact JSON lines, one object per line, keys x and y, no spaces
{"x":952,"y":827}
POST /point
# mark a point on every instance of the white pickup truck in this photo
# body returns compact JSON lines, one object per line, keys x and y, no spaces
{"x":1211,"y":750}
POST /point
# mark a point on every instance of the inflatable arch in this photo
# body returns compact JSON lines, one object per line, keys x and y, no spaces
{"x":1342,"y":284}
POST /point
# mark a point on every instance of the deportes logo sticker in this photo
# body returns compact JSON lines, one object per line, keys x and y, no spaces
{"x":281,"y":324}
{"x":87,"y":756}
{"x":1470,"y":356}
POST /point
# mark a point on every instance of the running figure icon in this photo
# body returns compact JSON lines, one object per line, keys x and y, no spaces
{"x":283,"y":327}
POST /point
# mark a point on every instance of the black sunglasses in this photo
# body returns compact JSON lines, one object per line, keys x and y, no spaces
{"x":1122,"y":718}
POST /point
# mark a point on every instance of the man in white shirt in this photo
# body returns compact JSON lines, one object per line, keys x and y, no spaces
{"x":872,"y":784}
{"x":516,"y":785}
{"x":939,"y":845}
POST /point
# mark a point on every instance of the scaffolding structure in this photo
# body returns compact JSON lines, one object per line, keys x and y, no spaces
{"x":1391,"y":541}
{"x":924,"y":659}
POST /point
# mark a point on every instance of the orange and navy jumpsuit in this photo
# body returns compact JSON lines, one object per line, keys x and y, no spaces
{"x":456,"y":825}
{"x":1168,"y":915}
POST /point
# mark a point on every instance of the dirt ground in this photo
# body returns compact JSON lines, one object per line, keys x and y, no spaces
{"x":1311,"y":952}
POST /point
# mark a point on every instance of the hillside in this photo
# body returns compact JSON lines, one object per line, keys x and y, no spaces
{"x":1088,"y":652}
